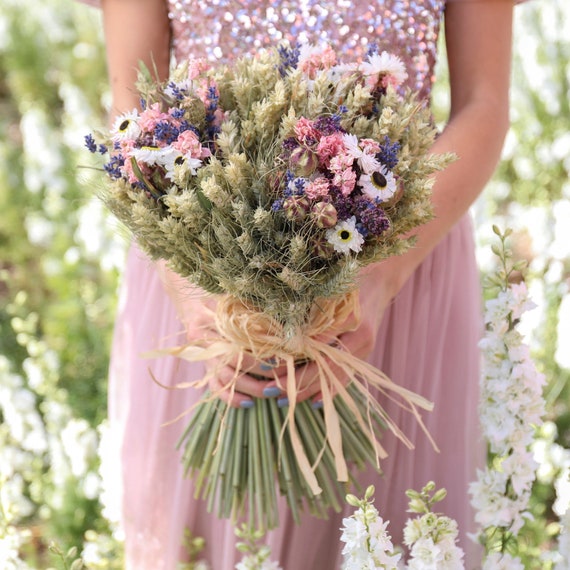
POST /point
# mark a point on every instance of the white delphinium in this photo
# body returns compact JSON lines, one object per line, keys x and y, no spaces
{"x":511,"y":408}
{"x":257,"y":557}
{"x":502,"y":561}
{"x":564,"y":543}
{"x":11,"y":540}
{"x":367,"y":543}
{"x":431,"y":538}
{"x":259,"y":562}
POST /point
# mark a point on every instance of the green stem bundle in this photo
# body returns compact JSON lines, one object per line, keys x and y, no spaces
{"x":242,"y":459}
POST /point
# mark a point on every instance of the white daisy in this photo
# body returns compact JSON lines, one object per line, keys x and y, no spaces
{"x":367,"y":162}
{"x":385,"y":65}
{"x":151,"y":155}
{"x":175,"y":163}
{"x":381,"y":184}
{"x":344,"y":237}
{"x":126,"y":126}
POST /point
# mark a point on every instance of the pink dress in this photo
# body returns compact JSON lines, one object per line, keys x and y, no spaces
{"x":427,"y":342}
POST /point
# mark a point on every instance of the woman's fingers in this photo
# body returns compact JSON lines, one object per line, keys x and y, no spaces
{"x":268,"y":379}
{"x":245,"y":388}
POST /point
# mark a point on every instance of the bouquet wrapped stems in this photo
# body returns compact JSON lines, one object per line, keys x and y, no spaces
{"x":232,"y":455}
{"x":239,"y":456}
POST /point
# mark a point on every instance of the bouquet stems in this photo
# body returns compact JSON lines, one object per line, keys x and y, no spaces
{"x":242,"y":458}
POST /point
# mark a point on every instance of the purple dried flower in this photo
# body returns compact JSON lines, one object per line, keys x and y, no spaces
{"x":289,"y":58}
{"x":114,"y":166}
{"x":328,"y":125}
{"x":344,"y":205}
{"x":388,"y":154}
{"x":374,"y":219}
{"x":176,"y":113}
{"x":165,"y":131}
{"x":90,"y":143}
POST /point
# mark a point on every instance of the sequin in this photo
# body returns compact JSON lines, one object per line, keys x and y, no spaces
{"x":222,"y":30}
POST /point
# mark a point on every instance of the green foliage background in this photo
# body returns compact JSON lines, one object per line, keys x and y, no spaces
{"x":60,"y":256}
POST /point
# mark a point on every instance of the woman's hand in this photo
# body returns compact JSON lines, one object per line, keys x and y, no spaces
{"x":269,"y":379}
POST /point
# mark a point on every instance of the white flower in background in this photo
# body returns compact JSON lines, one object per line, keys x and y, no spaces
{"x":493,"y":506}
{"x":432,"y":540}
{"x":258,"y":560}
{"x":521,"y":469}
{"x":511,"y":409}
{"x":564,"y":543}
{"x":80,"y":444}
{"x":14,"y":505}
{"x":126,"y":126}
{"x":251,"y":563}
{"x":110,"y":472}
{"x":11,"y":540}
{"x":442,"y":555}
{"x":256,"y":556}
{"x":344,"y":237}
{"x":367,"y":543}
{"x":502,"y":561}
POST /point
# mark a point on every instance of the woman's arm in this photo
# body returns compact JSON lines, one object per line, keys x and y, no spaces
{"x":135,"y":31}
{"x":478,"y":37}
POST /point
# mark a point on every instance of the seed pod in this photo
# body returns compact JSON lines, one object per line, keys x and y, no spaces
{"x":304,"y":161}
{"x":296,"y":208}
{"x":324,"y":214}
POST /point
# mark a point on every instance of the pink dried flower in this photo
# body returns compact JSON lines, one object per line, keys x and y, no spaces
{"x":369,"y":146}
{"x":305,"y":131}
{"x":151,"y":116}
{"x":341,"y":162}
{"x":345,"y":180}
{"x":317,"y":188}
{"x":188,"y":143}
{"x":328,"y":147}
{"x":315,"y":58}
{"x":130,"y":173}
{"x":197,"y":66}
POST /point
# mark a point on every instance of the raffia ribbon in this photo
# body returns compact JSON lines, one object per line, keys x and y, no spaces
{"x":242,"y":331}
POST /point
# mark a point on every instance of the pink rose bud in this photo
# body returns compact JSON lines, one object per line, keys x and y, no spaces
{"x":304,"y":161}
{"x":324,"y":214}
{"x":296,"y":208}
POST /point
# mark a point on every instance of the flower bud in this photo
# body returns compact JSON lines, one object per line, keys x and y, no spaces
{"x":296,"y":208}
{"x":304,"y":161}
{"x":323,"y":248}
{"x":324,"y":214}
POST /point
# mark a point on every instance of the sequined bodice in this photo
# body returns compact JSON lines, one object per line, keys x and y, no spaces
{"x":222,"y":30}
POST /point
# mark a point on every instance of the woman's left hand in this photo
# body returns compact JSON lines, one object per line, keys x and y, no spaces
{"x":375,"y":293}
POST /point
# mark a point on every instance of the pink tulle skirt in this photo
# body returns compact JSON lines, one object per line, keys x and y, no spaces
{"x":427,"y":343}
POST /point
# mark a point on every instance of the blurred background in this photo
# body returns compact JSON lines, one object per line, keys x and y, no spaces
{"x":61,"y":259}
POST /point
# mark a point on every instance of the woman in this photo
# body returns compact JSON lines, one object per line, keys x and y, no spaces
{"x":421,"y":310}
